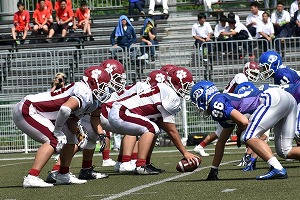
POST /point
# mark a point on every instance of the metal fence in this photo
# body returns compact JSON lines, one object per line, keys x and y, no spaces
{"x":29,"y":72}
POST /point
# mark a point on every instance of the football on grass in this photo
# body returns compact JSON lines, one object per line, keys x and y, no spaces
{"x":184,"y":166}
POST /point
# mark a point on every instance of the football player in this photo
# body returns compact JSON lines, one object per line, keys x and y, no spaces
{"x":35,"y":114}
{"x":270,"y":64}
{"x":156,"y":105}
{"x":249,"y":69}
{"x":271,"y":108}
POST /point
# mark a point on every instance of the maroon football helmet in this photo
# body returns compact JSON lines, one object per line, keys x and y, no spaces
{"x":251,"y":70}
{"x":156,"y":76}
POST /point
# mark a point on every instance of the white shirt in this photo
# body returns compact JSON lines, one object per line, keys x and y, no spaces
{"x":285,"y":17}
{"x":239,"y":27}
{"x":201,"y":31}
{"x":48,"y":104}
{"x":159,"y":101}
{"x":237,"y":18}
{"x":266,"y":28}
{"x":254,"y":18}
{"x":293,"y":8}
{"x":219,"y":28}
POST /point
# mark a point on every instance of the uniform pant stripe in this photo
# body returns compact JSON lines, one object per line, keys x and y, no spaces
{"x":258,"y":116}
{"x":31,"y":121}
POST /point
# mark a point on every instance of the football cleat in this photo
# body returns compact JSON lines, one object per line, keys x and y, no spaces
{"x":51,"y":178}
{"x":200,"y":150}
{"x":108,"y":163}
{"x":66,"y":179}
{"x":35,"y":181}
{"x":274,"y":174}
{"x":245,"y":160}
{"x":153,"y":168}
{"x":90,"y":173}
{"x":145,"y":170}
{"x":213,"y":175}
{"x":250,"y":166}
{"x":126,"y":167}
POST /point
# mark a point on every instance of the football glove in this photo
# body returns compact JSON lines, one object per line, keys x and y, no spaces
{"x":61,"y":140}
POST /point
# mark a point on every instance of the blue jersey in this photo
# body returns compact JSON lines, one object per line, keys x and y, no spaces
{"x":286,"y":75}
{"x":222,"y":105}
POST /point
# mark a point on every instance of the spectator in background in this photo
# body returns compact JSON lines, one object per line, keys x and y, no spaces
{"x":48,"y":6}
{"x":297,"y":21}
{"x":207,"y":6}
{"x":238,"y":31}
{"x":231,"y":15}
{"x":202,"y":32}
{"x":265,"y":30}
{"x":125,"y":34}
{"x":64,"y":16}
{"x":57,"y":4}
{"x":21,"y":22}
{"x":82,"y":15}
{"x":153,"y":3}
{"x":293,"y":9}
{"x":42,"y":19}
{"x":267,"y":3}
{"x":59,"y":81}
{"x":218,"y":33}
{"x":148,"y":38}
{"x":139,"y":4}
{"x":253,"y":18}
{"x":281,"y":21}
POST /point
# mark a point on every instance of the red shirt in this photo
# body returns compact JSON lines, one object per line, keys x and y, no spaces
{"x":64,"y":14}
{"x":20,"y":19}
{"x":48,"y":6}
{"x":57,"y":5}
{"x":82,"y":15}
{"x":41,"y":15}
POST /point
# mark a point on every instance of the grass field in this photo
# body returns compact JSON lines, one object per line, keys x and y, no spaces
{"x":234,"y":183}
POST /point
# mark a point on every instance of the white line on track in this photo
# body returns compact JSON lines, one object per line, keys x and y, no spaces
{"x":13,"y":164}
{"x":128,"y":192}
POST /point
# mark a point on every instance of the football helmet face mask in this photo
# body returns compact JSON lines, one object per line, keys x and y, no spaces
{"x":167,"y":68}
{"x":156,"y":76}
{"x":251,"y":70}
{"x":117,"y":74}
{"x":269,"y":62}
{"x":201,"y":94}
{"x":180,"y":79}
{"x":97,"y":79}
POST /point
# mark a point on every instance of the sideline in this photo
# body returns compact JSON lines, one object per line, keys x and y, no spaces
{"x":128,"y":192}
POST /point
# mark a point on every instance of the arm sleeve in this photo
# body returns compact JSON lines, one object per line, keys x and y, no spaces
{"x":62,"y":116}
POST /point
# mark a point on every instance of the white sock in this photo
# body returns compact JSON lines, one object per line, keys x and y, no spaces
{"x":275,"y":163}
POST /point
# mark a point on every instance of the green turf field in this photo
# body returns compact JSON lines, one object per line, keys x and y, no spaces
{"x":234,"y":183}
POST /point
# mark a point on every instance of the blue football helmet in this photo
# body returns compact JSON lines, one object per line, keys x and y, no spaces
{"x":201,"y":94}
{"x":269,"y":62}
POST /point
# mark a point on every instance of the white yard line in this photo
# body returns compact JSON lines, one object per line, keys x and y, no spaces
{"x":13,"y":164}
{"x":141,"y":187}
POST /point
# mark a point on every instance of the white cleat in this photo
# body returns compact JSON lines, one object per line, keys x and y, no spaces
{"x":126,"y":167}
{"x":200,"y":150}
{"x":35,"y":181}
{"x":66,"y":179}
{"x":108,"y":163}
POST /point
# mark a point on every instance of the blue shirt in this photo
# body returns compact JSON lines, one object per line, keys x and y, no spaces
{"x":222,"y":105}
{"x":286,"y":75}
